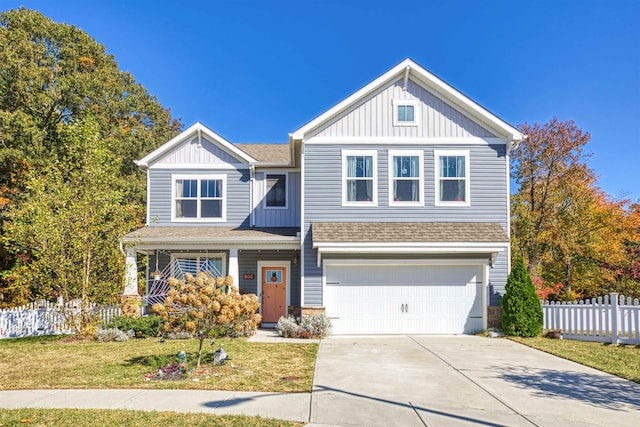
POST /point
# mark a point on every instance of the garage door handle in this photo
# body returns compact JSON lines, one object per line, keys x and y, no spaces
{"x":406,"y":308}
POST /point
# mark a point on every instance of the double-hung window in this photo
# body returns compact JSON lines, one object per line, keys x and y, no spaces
{"x":406,"y":112}
{"x":359,"y":178}
{"x":452,"y":177}
{"x":199,"y":198}
{"x":405,"y":177}
{"x":276,"y":190}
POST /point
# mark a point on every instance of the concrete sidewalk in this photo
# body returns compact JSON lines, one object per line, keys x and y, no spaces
{"x":286,"y":406}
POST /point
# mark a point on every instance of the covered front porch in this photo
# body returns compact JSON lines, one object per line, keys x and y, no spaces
{"x":262,"y":261}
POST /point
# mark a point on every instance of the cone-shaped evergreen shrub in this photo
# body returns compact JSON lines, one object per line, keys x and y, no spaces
{"x":521,"y":310}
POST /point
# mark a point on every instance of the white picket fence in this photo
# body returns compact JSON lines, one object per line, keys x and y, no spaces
{"x":612,"y":318}
{"x":46,"y":318}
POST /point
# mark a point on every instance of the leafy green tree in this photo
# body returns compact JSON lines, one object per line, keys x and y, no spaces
{"x":521,"y":311}
{"x":52,"y":76}
{"x":68,"y":227}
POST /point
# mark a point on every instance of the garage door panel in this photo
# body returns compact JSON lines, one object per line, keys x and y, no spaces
{"x":415,"y":299}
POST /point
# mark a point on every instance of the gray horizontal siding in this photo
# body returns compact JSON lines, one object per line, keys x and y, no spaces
{"x":323,"y":200}
{"x":373,"y":117}
{"x":190,"y":152}
{"x":248,"y":264}
{"x":238,"y":203}
{"x":289,"y":217}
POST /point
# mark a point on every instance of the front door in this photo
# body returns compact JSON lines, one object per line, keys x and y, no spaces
{"x":274,"y":293}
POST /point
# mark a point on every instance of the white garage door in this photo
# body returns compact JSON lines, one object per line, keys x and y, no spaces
{"x":406,"y":299}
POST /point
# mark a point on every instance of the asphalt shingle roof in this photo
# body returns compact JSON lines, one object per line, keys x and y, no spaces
{"x":266,"y":152}
{"x":431,"y":232}
{"x":209,"y":232}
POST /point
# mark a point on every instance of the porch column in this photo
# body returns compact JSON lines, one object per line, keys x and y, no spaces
{"x":131,"y":275}
{"x":233,"y":267}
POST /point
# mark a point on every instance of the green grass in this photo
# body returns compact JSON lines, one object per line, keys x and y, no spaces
{"x":99,"y":418}
{"x":620,"y":360}
{"x":47,"y":363}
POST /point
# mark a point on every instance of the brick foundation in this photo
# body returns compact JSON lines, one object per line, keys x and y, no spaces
{"x":494,"y":316}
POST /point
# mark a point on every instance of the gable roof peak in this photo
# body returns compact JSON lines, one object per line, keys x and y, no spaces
{"x":408,"y":68}
{"x":199,"y":130}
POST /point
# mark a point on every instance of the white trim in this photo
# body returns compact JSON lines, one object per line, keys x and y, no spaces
{"x":234,"y":270}
{"x":508,"y":176}
{"x":414,"y":153}
{"x":374,"y":155}
{"x":467,"y":178}
{"x":485,"y":291}
{"x":199,"y":178}
{"x":302,"y":230}
{"x":400,"y":262}
{"x":417,"y":111}
{"x":148,"y":199}
{"x":490,"y":249}
{"x":215,"y":245}
{"x":357,"y":245}
{"x":286,"y":190}
{"x":287,"y":265}
{"x":394,"y":140}
{"x":431,"y":82}
{"x":194,"y":130}
{"x":200,"y":166}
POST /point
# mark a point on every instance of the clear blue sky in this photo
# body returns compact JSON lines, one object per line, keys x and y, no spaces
{"x":253,"y":71}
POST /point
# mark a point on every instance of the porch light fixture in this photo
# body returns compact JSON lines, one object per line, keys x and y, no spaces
{"x":156,"y":274}
{"x":295,"y":258}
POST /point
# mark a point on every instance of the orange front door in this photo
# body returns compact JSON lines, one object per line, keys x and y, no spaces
{"x":274,"y":293}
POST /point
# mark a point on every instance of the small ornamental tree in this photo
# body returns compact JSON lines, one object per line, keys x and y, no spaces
{"x":205,"y":306}
{"x":521,"y":309}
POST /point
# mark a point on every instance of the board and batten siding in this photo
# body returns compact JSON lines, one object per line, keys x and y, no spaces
{"x":192,"y":152}
{"x":323,"y":199}
{"x":278,"y":217}
{"x":237,"y":196}
{"x":373,"y":117}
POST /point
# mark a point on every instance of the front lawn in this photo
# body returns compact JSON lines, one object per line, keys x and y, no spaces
{"x":56,"y":362}
{"x":620,"y":360}
{"x":99,"y":418}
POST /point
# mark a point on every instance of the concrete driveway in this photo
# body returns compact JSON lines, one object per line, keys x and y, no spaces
{"x":461,"y":380}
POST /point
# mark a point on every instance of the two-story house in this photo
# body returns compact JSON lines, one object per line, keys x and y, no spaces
{"x":389,"y":211}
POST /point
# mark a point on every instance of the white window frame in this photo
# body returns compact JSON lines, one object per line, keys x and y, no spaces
{"x":286,"y":189}
{"x":399,"y":153}
{"x":467,"y":177}
{"x":374,"y":155}
{"x":198,"y":256}
{"x":199,"y":178}
{"x":406,"y":102}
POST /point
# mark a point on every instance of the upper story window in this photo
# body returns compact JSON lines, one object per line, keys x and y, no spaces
{"x":406,"y":177}
{"x":276,"y":190}
{"x":452,"y":177}
{"x":199,"y":198}
{"x":405,"y":112}
{"x":359,"y":178}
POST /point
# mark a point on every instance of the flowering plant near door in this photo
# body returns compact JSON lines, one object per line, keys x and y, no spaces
{"x":208,"y":307}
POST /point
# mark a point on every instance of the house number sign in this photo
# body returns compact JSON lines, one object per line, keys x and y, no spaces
{"x":248,"y":276}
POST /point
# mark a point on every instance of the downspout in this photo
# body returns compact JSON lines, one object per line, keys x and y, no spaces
{"x":302,"y":207}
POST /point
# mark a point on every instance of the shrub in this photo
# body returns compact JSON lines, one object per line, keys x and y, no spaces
{"x":143,"y":327}
{"x":206,"y":306}
{"x":521,"y":309}
{"x":313,"y":326}
{"x":111,"y":334}
{"x":287,"y":327}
